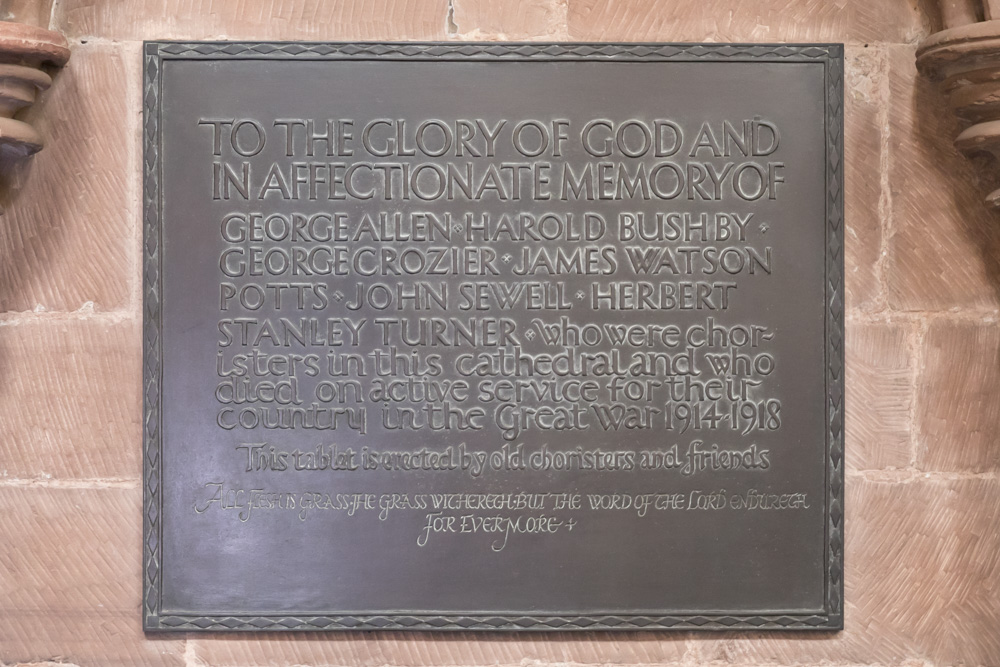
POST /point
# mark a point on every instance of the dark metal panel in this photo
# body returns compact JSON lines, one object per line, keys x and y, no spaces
{"x":702,"y":270}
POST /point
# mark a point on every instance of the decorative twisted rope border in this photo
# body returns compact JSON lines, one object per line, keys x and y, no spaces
{"x":830,"y":55}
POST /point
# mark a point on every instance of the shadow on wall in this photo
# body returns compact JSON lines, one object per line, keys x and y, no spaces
{"x":32,"y":232}
{"x":960,"y":183}
{"x":27,"y":242}
{"x":36,"y":192}
{"x":14,"y":167}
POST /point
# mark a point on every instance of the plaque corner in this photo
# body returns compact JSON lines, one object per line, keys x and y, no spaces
{"x":151,"y":624}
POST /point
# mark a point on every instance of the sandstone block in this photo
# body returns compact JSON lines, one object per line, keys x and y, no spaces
{"x":509,"y":19}
{"x":71,"y":406}
{"x":923,"y":559}
{"x":71,"y":575}
{"x":68,"y":230}
{"x":862,"y":185}
{"x":236,"y":19}
{"x":879,"y":389}
{"x":957,"y":409}
{"x":445,"y":649}
{"x":32,"y":12}
{"x":748,"y":21}
{"x":944,"y":250}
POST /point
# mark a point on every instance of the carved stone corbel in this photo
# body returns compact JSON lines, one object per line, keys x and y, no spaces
{"x":26,"y":53}
{"x":965,"y":59}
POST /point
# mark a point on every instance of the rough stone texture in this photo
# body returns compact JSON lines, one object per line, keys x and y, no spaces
{"x":65,"y":238}
{"x":923,"y":565}
{"x":923,"y":270}
{"x":239,"y":19}
{"x":70,"y":572}
{"x":958,"y":411}
{"x":863,"y":137}
{"x":32,"y":12}
{"x":70,"y":407}
{"x":508,"y":19}
{"x":880,"y":363}
{"x":418,"y":650}
{"x":750,"y":20}
{"x":944,"y":245}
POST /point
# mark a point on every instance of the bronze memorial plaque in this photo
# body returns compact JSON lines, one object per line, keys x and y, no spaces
{"x":493,"y":336}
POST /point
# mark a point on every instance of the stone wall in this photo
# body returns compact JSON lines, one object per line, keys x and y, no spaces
{"x":923,"y":344}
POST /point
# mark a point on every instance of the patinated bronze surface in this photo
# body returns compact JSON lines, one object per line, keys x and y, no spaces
{"x":493,"y":336}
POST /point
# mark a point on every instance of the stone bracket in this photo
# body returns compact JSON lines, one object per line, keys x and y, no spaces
{"x":25,"y":54}
{"x":965,"y":61}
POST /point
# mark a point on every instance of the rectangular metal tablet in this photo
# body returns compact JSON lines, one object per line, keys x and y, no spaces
{"x":493,"y":336}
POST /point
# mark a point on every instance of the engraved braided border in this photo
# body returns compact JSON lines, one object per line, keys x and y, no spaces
{"x":831,"y":55}
{"x":151,"y":352}
{"x":835,"y":334}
